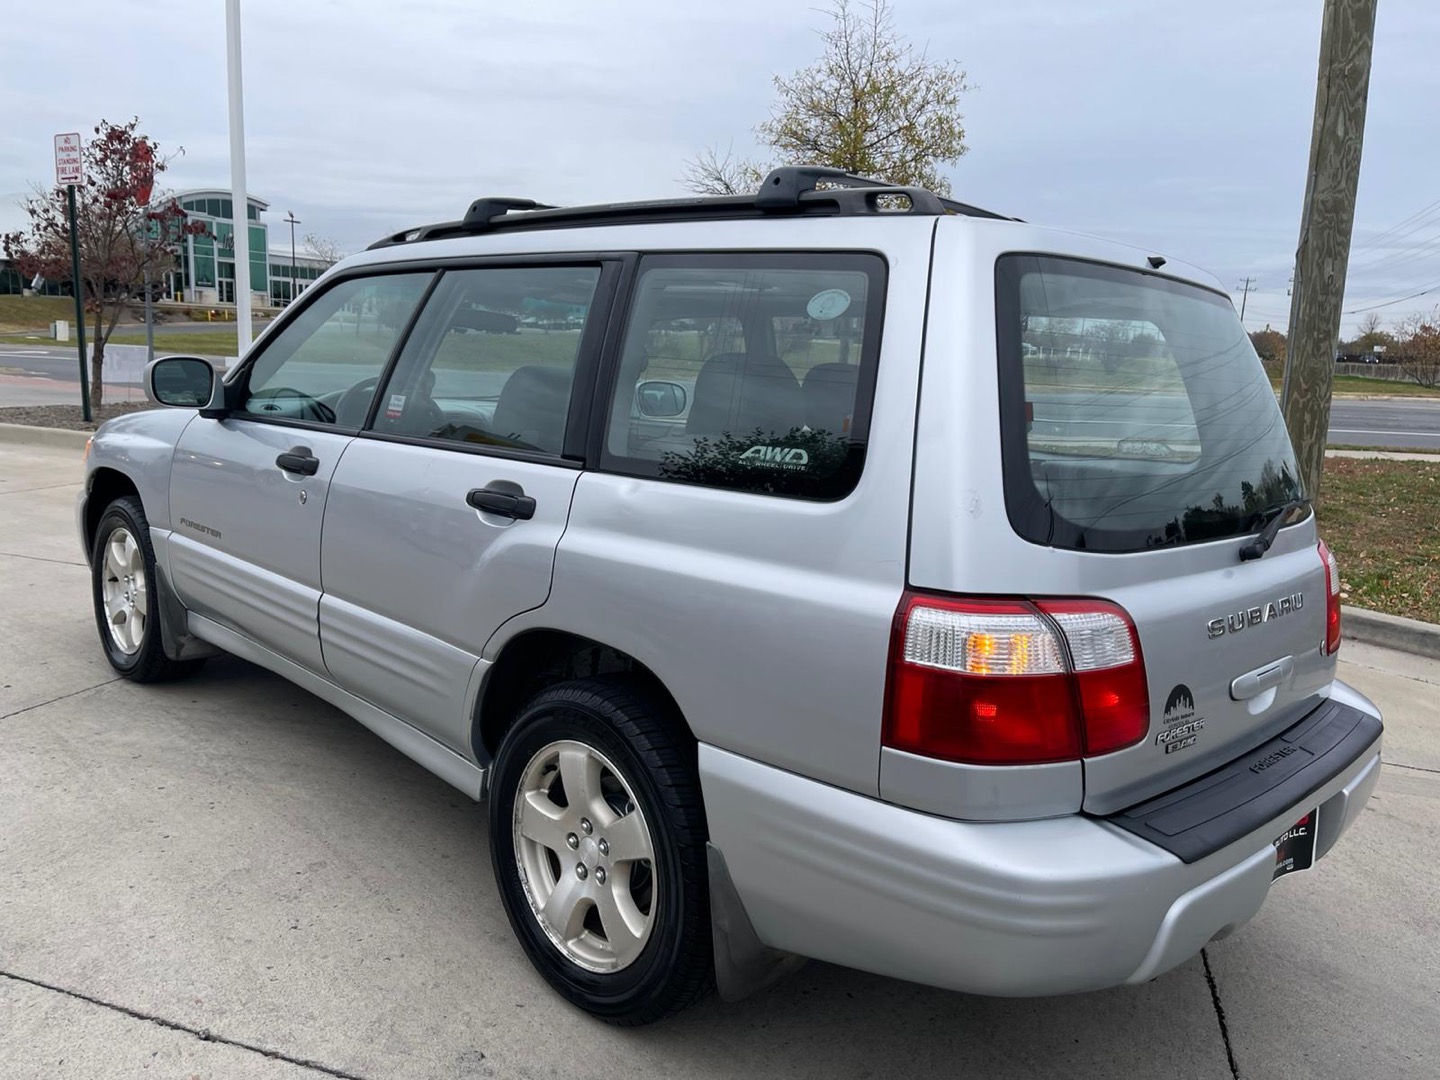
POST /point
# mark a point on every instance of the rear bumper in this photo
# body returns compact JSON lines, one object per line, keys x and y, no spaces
{"x":1006,"y":908}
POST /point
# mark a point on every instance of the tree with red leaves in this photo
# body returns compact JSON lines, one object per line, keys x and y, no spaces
{"x":123,"y":233}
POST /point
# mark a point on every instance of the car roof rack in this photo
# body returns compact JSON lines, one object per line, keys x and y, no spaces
{"x":789,"y":191}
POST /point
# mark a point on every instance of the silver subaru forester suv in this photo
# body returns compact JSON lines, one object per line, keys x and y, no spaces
{"x":837,"y":571}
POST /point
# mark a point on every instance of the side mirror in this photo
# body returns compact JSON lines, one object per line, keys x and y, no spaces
{"x":185,"y":382}
{"x":658,"y":400}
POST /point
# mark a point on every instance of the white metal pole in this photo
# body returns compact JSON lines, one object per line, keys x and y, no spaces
{"x":240,"y":202}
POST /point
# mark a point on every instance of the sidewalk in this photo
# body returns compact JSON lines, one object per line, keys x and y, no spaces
{"x":1388,"y":455}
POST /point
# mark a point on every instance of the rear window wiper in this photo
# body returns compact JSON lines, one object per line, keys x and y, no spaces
{"x":1257,"y":548}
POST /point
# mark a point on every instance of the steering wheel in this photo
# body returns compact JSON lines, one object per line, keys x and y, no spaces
{"x":356,"y":398}
{"x":322,"y":412}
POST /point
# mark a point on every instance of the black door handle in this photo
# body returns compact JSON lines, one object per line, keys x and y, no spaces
{"x":298,"y":459}
{"x":503,"y":498}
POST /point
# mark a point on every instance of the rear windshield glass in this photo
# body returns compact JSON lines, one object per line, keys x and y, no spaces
{"x":1135,"y":412}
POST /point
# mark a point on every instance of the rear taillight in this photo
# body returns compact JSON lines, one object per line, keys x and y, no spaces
{"x":1010,"y":682}
{"x":1331,"y":644}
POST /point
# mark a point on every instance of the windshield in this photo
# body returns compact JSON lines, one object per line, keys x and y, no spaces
{"x":1135,"y":412}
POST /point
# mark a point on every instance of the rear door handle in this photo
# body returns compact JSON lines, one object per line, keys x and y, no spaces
{"x":1254,"y":683}
{"x":298,"y":459}
{"x":503,"y":498}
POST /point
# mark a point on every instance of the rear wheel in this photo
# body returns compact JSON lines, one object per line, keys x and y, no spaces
{"x":597,"y":835}
{"x":122,"y":571}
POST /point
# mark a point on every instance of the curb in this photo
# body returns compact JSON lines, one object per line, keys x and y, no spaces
{"x":1384,"y":455}
{"x":31,"y":435}
{"x":1390,"y":632}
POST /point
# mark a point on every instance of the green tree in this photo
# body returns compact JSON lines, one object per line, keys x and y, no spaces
{"x":873,"y":105}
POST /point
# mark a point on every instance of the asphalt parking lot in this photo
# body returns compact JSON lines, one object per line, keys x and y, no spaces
{"x":226,"y":878}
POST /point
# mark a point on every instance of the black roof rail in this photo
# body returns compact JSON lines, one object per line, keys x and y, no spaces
{"x":791,"y":190}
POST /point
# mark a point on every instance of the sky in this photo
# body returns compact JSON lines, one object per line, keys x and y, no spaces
{"x":1178,"y":126}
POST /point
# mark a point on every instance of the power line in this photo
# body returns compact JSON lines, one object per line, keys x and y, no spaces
{"x":1375,"y":240}
{"x":1392,"y":303}
{"x":1403,"y":255}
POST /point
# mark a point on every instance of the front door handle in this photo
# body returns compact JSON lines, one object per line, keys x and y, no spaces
{"x":298,"y":459}
{"x":503,"y":498}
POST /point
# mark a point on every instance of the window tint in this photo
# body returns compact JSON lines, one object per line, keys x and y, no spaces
{"x":1135,"y":412}
{"x":324,"y":365}
{"x":492,"y":358}
{"x":752,"y":372}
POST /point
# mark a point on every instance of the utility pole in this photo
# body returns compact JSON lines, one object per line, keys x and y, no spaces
{"x":292,"y":221}
{"x":1245,"y":295}
{"x":239,"y":196}
{"x":1347,"y":36}
{"x":77,"y":286}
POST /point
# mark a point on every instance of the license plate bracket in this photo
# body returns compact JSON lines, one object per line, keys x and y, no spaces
{"x":1295,"y":847}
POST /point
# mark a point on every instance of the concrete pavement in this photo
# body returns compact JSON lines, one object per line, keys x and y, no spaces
{"x":227,"y":878}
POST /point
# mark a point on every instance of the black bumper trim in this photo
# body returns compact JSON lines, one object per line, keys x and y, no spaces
{"x":1220,"y":807}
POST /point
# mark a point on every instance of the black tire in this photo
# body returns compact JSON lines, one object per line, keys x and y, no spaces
{"x":148,"y":663}
{"x":638,"y":731}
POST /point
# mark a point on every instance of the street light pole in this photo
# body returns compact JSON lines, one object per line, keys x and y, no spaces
{"x":240,"y":199}
{"x":292,"y":221}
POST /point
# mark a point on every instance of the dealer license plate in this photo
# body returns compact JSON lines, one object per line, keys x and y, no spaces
{"x":1295,"y":849}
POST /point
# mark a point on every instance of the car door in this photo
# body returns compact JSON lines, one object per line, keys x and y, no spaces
{"x":443,"y":517}
{"x":247,"y":492}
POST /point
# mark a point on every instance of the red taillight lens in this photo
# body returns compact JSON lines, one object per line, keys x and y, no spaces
{"x":1109,"y":671}
{"x":991,"y":682}
{"x":1331,"y":644}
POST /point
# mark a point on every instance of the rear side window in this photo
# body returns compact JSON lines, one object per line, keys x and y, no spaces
{"x":491,"y":359}
{"x":750,"y":371}
{"x":1135,"y":413}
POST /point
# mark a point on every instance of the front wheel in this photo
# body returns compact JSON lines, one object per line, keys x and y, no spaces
{"x":122,"y":571}
{"x":597,"y":836}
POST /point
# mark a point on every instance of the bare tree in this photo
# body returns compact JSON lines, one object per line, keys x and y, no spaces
{"x":324,"y":249}
{"x":1417,"y":341}
{"x":708,"y":173}
{"x":873,"y":105}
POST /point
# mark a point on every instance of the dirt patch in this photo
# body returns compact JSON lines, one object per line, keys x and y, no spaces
{"x":68,"y":416}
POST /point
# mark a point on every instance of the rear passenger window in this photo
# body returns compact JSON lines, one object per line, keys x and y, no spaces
{"x":491,"y":359}
{"x":752,"y":372}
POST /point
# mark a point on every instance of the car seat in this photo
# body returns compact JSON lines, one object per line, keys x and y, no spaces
{"x":829,"y":391}
{"x":533,"y":406}
{"x":740,"y":392}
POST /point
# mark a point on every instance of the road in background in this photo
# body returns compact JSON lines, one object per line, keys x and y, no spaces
{"x":1397,"y":423}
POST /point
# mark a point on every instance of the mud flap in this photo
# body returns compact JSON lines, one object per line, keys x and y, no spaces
{"x":175,"y":636}
{"x":744,"y":965}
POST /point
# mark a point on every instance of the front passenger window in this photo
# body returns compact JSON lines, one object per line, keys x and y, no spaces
{"x":325,"y":364}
